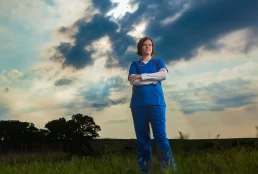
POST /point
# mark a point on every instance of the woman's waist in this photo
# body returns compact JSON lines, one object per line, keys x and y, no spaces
{"x":147,"y":91}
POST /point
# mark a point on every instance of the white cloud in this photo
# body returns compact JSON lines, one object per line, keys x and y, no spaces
{"x":246,"y":71}
{"x":14,"y":73}
{"x":51,"y":17}
{"x":232,"y":46}
{"x":139,"y":30}
{"x":15,"y":10}
{"x":216,"y":66}
{"x":249,"y":69}
{"x":71,"y":11}
{"x":9,"y":77}
{"x":3,"y":80}
{"x":102,"y":47}
{"x":64,"y":14}
{"x":219,"y":74}
{"x":236,"y":41}
{"x":122,"y":8}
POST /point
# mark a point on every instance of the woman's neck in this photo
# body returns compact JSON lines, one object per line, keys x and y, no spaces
{"x":146,"y":58}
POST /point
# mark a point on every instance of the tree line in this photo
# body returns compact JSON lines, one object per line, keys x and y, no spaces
{"x":72,"y":135}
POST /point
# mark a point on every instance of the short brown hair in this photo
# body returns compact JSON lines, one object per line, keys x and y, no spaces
{"x":140,"y":44}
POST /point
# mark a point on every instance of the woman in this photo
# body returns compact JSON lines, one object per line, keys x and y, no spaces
{"x":148,"y":105}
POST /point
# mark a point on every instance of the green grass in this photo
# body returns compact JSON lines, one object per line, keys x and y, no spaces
{"x":232,"y":161}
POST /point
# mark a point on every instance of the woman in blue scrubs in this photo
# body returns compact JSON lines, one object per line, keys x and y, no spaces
{"x":148,"y":106}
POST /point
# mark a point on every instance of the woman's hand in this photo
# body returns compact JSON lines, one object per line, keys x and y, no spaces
{"x":136,"y":76}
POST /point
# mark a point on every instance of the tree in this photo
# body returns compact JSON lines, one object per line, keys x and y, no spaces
{"x":256,"y":131}
{"x":78,"y":126}
{"x":86,"y":126}
{"x":75,"y":133}
{"x":57,"y":130}
{"x":13,"y":133}
{"x":16,"y":131}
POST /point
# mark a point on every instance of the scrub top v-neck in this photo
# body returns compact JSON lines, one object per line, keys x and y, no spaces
{"x":143,"y":66}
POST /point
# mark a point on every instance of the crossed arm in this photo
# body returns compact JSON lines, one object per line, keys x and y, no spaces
{"x":148,"y":78}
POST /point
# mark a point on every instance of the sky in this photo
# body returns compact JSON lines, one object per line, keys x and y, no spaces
{"x":59,"y":58}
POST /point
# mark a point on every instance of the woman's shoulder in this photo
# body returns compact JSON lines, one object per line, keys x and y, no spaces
{"x":158,"y":59}
{"x":133,"y":63}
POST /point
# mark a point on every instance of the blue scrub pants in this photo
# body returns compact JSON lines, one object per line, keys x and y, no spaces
{"x":154,"y":114}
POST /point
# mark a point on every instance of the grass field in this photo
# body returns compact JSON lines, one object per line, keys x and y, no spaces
{"x":231,"y":161}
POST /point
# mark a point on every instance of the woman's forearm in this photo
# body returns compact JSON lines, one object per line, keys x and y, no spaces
{"x":139,"y":82}
{"x":159,"y":76}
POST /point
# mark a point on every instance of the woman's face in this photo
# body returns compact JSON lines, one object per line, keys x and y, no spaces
{"x":147,"y":48}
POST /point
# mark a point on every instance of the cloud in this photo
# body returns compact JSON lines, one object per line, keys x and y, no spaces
{"x":116,"y":121}
{"x":240,"y":41}
{"x":104,"y":6}
{"x":76,"y":55}
{"x":99,"y":94}
{"x":62,"y":82}
{"x":96,"y":42}
{"x":178,"y":28}
{"x":49,"y":2}
{"x":216,"y":95}
{"x":3,"y":79}
{"x":235,"y":101}
{"x":4,"y":111}
{"x":14,"y":73}
{"x":34,"y":23}
{"x":201,"y":24}
{"x":101,"y":104}
{"x":213,"y":82}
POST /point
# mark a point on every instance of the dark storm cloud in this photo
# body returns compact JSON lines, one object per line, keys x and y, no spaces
{"x":104,"y":6}
{"x":76,"y":55}
{"x":228,"y":94}
{"x":63,"y":82}
{"x":200,"y":25}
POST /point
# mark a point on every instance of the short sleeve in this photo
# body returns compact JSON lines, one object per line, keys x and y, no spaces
{"x":132,"y":70}
{"x":161,"y":64}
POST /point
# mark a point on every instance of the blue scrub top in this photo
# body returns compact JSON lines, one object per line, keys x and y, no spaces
{"x":148,"y":94}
